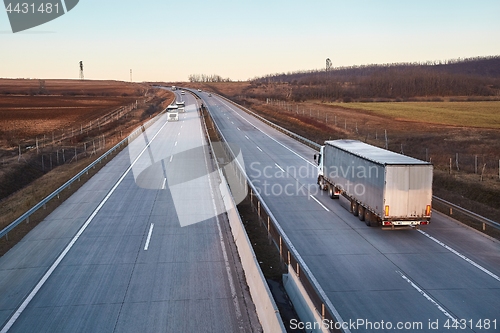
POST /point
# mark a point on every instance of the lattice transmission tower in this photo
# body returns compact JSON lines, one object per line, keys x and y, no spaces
{"x":328,"y":65}
{"x":81,"y":70}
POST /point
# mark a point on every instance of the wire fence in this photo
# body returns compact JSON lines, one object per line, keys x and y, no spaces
{"x":30,"y":158}
{"x":481,"y":164}
{"x":105,"y":153}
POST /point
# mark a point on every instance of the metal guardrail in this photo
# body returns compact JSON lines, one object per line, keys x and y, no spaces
{"x":270,"y":320}
{"x":315,"y":145}
{"x":468,"y":213}
{"x":56,"y":193}
{"x":297,"y":137}
{"x":288,"y":252}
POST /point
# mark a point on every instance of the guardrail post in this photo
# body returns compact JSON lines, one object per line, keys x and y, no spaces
{"x":28,"y":219}
{"x":322,"y":311}
{"x":451,"y":211}
{"x":484,"y":226}
{"x":258,"y":208}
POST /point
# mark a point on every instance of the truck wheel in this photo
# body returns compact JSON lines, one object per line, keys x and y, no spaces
{"x":361,"y":213}
{"x":354,"y":208}
{"x":331,"y":191}
{"x":368,"y":219}
{"x":321,"y":183}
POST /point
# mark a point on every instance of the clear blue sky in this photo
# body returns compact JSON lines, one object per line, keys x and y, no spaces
{"x":240,"y":39}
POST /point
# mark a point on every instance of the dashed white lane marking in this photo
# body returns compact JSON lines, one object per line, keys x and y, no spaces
{"x":423,"y":293}
{"x":481,"y":268}
{"x":324,"y":207}
{"x":146,"y":246}
{"x":281,"y":144}
{"x":56,"y":263}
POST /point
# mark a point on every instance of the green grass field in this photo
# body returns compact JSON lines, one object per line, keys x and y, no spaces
{"x":468,"y":114}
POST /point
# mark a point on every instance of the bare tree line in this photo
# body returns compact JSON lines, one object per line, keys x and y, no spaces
{"x":207,"y":78}
{"x":468,"y":77}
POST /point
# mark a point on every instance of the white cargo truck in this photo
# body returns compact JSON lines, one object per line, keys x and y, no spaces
{"x":382,"y":187}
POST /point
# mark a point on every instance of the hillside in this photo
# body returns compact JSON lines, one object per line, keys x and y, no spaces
{"x":399,"y":82}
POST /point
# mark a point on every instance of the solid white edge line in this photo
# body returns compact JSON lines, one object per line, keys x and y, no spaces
{"x":267,"y":134}
{"x":234,"y":294}
{"x":324,"y":207}
{"x":496,"y":277}
{"x":470,"y":261}
{"x":423,"y":293}
{"x":56,"y":263}
{"x":306,"y":268}
{"x":146,"y":246}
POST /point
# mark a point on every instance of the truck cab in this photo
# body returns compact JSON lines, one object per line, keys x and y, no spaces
{"x":172,"y":112}
{"x":319,"y":161}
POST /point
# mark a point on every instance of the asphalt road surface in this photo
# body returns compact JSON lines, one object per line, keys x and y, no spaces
{"x":141,"y":247}
{"x":378,"y":280}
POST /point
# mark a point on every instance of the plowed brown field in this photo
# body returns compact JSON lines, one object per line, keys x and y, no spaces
{"x":30,"y":108}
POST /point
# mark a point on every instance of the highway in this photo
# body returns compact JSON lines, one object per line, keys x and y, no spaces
{"x":141,"y":247}
{"x":378,"y":280}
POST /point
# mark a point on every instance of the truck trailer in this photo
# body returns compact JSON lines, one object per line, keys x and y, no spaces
{"x":181,"y":106}
{"x":382,"y":187}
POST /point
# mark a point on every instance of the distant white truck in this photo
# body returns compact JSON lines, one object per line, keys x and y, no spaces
{"x":172,"y":112}
{"x":181,"y":106}
{"x":383,"y":187}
